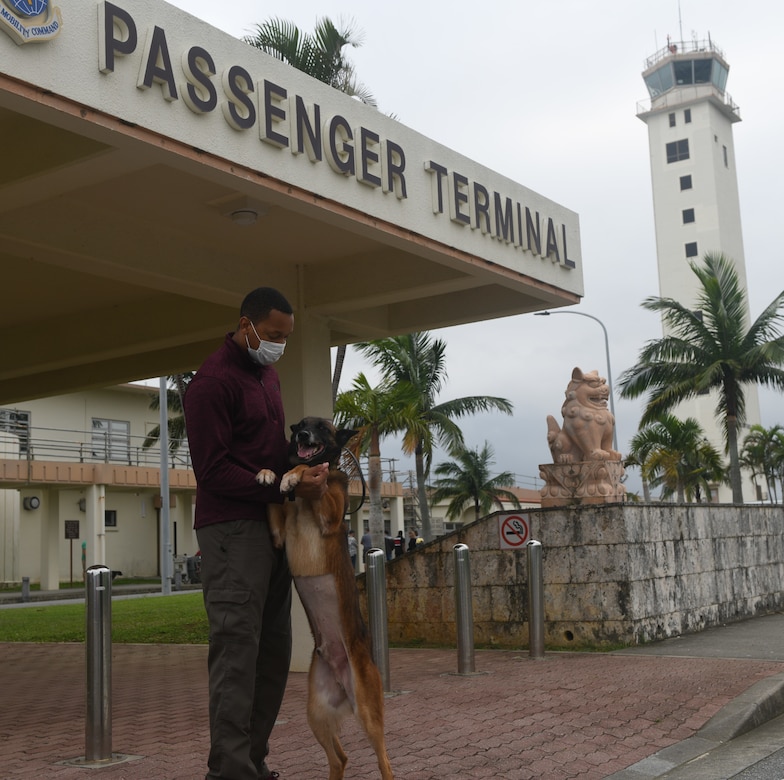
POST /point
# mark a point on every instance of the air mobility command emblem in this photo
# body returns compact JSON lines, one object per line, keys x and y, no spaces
{"x":30,"y":21}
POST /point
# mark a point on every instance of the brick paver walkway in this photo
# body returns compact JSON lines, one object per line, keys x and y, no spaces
{"x":571,"y":715}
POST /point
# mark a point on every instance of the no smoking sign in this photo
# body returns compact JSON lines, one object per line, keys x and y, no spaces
{"x":513,"y":530}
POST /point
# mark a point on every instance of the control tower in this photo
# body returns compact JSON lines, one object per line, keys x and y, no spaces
{"x":695,"y":189}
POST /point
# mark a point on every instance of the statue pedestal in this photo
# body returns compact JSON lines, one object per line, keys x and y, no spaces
{"x":585,"y":482}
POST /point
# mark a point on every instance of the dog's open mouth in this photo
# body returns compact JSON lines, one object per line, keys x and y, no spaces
{"x":308,"y":452}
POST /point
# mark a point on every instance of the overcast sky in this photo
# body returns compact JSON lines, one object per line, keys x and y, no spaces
{"x":546,"y":94}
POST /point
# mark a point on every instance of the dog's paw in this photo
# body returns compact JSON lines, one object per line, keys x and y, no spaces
{"x":265,"y":477}
{"x":290,"y":481}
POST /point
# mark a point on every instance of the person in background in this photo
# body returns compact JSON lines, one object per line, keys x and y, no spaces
{"x":400,"y":544}
{"x":367,"y":543}
{"x":353,"y":548}
{"x":234,"y":419}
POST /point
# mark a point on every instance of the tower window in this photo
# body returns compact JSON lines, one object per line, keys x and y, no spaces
{"x":672,"y":120}
{"x":686,"y":182}
{"x":688,"y":216}
{"x":691,"y":249}
{"x":687,"y":115}
{"x":678,"y":150}
{"x":726,"y":157}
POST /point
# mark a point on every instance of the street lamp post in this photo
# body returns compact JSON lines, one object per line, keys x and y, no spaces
{"x":607,"y":352}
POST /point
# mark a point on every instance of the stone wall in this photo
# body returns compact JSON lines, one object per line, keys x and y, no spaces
{"x":613,"y":574}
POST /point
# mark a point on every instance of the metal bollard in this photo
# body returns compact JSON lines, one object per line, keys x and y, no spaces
{"x":464,"y":611}
{"x":377,"y":612}
{"x":535,"y":600}
{"x":25,"y":589}
{"x":98,"y":726}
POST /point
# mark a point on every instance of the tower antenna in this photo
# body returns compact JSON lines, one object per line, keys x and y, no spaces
{"x":680,"y":21}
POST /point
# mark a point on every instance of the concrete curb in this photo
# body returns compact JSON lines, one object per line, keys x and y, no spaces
{"x":763,"y":702}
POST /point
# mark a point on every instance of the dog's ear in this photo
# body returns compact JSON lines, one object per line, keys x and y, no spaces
{"x":344,"y":435}
{"x":294,"y":427}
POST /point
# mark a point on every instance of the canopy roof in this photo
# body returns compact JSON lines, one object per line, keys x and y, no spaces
{"x":120,"y":253}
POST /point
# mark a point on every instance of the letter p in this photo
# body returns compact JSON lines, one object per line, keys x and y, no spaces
{"x":114,"y":22}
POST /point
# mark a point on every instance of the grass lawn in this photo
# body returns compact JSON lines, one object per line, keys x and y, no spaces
{"x":179,"y":619}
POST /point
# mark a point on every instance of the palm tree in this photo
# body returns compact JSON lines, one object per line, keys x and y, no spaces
{"x":419,"y":360}
{"x":710,"y":349}
{"x":637,"y":456}
{"x":762,"y":454}
{"x":467,"y":480}
{"x":319,"y":54}
{"x":374,"y":412}
{"x":176,"y":418}
{"x":675,"y":455}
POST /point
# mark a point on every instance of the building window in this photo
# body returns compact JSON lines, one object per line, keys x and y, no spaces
{"x":688,"y":216}
{"x":687,"y":116}
{"x":111,"y":440}
{"x":18,"y":423}
{"x":685,"y":182}
{"x":672,"y":120}
{"x":678,"y":150}
{"x":691,"y":249}
{"x":726,"y":157}
{"x":110,"y":518}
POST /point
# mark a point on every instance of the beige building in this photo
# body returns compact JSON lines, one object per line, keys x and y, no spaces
{"x":74,"y":471}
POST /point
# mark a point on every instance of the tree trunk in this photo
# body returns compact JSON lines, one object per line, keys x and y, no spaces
{"x":376,"y":514}
{"x":732,"y":445}
{"x":339,"y":359}
{"x":424,"y":507}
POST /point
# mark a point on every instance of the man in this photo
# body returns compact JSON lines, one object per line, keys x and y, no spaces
{"x":234,"y":419}
{"x":367,"y":543}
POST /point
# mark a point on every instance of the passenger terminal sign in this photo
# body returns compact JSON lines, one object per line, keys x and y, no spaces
{"x":156,"y":67}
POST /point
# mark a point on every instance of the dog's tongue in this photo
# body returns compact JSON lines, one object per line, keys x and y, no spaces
{"x":306,"y":453}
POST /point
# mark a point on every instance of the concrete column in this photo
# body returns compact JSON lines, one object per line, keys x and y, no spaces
{"x":95,"y":533}
{"x":50,"y":539}
{"x":10,"y":503}
{"x":396,"y":516}
{"x":306,"y":385}
{"x":306,"y":370}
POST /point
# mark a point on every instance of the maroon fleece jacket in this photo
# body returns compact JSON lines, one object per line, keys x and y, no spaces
{"x":234,"y":418}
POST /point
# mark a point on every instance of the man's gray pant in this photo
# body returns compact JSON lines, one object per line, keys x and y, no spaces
{"x":247,"y":594}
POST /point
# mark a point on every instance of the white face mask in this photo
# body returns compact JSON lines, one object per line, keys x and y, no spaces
{"x":267,"y":352}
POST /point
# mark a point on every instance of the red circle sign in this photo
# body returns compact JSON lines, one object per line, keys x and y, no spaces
{"x":514,"y":531}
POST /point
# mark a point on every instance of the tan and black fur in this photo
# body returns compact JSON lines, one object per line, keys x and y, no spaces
{"x":343,"y":677}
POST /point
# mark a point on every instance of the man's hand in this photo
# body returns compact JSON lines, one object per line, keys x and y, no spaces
{"x":313,"y":483}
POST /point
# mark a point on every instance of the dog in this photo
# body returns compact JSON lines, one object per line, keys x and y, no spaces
{"x":343,"y":678}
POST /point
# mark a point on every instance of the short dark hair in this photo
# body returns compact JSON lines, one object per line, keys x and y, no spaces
{"x":260,"y":302}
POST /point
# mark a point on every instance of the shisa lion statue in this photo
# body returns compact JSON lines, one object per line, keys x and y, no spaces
{"x":586,"y":468}
{"x":588,"y":424}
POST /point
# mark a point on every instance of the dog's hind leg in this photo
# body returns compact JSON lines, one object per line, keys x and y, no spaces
{"x":327,"y":706}
{"x":369,"y":710}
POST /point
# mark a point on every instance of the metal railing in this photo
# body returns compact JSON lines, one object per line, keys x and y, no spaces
{"x":683,"y":47}
{"x":62,"y":444}
{"x":646,"y":105}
